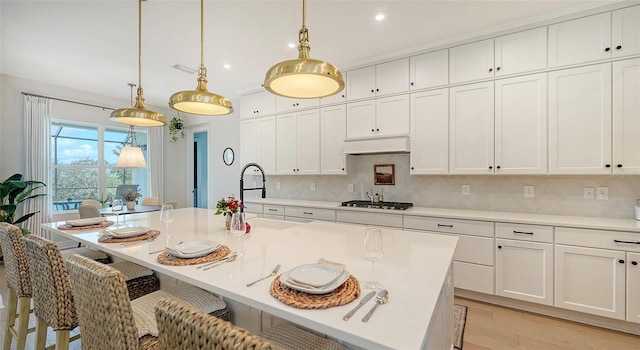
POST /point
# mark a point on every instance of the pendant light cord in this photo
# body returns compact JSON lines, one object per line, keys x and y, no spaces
{"x":201,"y":33}
{"x":140,"y":44}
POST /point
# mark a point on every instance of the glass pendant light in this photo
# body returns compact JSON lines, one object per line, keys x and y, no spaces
{"x":304,"y":77}
{"x":201,"y":101}
{"x":138,"y":114}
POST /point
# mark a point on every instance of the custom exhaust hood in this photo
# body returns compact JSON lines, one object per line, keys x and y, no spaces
{"x":386,"y":145}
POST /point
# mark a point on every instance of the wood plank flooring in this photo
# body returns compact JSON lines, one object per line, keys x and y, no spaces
{"x":488,"y":327}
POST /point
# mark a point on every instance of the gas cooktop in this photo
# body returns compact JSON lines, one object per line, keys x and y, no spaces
{"x":378,"y":205}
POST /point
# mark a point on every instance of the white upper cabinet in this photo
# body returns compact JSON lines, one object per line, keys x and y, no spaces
{"x":430,"y":132}
{"x":429,"y":70}
{"x":580,"y":120}
{"x":626,"y":31}
{"x":285,"y":104}
{"x":509,"y":54}
{"x":298,"y":147}
{"x":379,"y":80}
{"x":626,"y":117}
{"x":382,"y":117}
{"x":258,"y":143}
{"x":257,"y":104}
{"x":333,"y":126}
{"x":337,"y":98}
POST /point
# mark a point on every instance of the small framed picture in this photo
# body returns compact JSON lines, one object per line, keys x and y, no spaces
{"x":384,"y":174}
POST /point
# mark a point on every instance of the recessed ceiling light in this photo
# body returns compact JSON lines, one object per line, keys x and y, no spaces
{"x":227,"y":66}
{"x":379,"y":17}
{"x":292,"y":45}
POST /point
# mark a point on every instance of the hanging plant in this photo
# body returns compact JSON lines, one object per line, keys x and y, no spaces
{"x":176,"y":129}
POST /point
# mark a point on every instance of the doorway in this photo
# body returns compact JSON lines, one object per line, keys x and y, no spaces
{"x":200,"y":172}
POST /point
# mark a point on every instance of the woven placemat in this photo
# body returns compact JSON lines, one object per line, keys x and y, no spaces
{"x":346,"y":293}
{"x":109,"y":239}
{"x":165,"y":258}
{"x":103,"y":224}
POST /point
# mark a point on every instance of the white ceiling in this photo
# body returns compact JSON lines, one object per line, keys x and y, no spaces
{"x":92,"y":45}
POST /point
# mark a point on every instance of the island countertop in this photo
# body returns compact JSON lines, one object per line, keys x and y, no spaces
{"x":414,"y":269}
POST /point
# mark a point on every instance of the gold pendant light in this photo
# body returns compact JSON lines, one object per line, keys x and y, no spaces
{"x":201,"y":101}
{"x":138,"y":114}
{"x":304,"y":77}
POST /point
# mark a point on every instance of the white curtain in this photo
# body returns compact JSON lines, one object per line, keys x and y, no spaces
{"x":37,"y":139}
{"x":155,"y":161}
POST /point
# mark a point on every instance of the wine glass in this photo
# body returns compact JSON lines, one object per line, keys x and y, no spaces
{"x":166,"y":216}
{"x":373,"y":252}
{"x":117,"y":208}
{"x":238,"y":228}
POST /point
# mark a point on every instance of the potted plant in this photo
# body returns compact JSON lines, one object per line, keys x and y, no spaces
{"x":130,"y":196}
{"x":227,"y":206}
{"x":14,"y":191}
{"x":176,"y":128}
{"x":103,"y":199}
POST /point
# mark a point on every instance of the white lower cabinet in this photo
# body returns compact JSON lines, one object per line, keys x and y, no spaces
{"x":368,"y":218}
{"x":633,"y":287}
{"x":524,"y":270}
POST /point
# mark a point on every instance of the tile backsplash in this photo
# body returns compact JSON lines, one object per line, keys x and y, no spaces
{"x":553,"y":194}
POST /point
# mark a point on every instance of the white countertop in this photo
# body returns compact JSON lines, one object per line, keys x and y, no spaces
{"x":630,"y":225}
{"x":413,"y":270}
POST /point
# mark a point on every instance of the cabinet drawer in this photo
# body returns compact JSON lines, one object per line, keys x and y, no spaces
{"x":253,"y":208}
{"x":467,"y":227}
{"x":522,"y":232}
{"x":365,"y":218}
{"x":310,"y":213}
{"x":270,"y":209}
{"x":478,"y":278}
{"x":616,"y":240}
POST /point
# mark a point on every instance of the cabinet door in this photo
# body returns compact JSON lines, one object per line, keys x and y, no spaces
{"x":286,"y":144}
{"x":580,"y":40}
{"x":361,"y":119}
{"x":267,"y":144}
{"x":249,"y":137}
{"x":392,"y":77}
{"x":429,"y":70}
{"x":337,"y":98}
{"x":521,"y":52}
{"x":471,"y":129}
{"x":626,"y":117}
{"x":333,"y":130}
{"x":580,"y":120}
{"x":361,"y":83}
{"x":285,"y":104}
{"x":430,"y":132}
{"x":471,"y":62}
{"x":257,"y":104}
{"x":633,"y":287}
{"x":524,"y":271}
{"x":626,"y":31}
{"x":590,"y":280}
{"x":521,"y":125}
{"x":308,"y":142}
{"x":392,"y":116}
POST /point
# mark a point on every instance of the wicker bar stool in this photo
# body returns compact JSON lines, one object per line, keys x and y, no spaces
{"x":182,"y":327}
{"x":19,"y":283}
{"x":109,"y":320}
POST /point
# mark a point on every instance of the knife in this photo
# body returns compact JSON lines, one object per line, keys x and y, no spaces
{"x":362,"y":302}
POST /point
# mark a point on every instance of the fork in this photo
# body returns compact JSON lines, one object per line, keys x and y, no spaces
{"x":150,"y":239}
{"x":229,"y":258}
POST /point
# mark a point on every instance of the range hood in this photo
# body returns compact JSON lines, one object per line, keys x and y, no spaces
{"x":386,"y":145}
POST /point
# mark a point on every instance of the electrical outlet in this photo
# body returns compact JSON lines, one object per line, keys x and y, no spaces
{"x":589,"y":193}
{"x":602,"y":193}
{"x":277,"y":185}
{"x":529,"y":192}
{"x":350,"y":187}
{"x":465,"y":190}
{"x":313,"y":187}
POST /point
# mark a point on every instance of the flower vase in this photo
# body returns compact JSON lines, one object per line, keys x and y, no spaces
{"x":131,"y":205}
{"x":227,"y":222}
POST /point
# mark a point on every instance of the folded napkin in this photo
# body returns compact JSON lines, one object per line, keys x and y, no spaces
{"x":332,"y":264}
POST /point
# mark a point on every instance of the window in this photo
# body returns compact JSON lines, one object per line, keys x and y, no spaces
{"x":83,"y":163}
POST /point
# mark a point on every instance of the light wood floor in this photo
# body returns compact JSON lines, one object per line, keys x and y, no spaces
{"x":488,"y":327}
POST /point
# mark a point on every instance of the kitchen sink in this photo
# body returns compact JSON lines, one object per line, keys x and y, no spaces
{"x":378,"y":205}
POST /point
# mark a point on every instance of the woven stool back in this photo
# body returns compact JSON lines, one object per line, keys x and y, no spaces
{"x":104,"y":309}
{"x":15,"y":260}
{"x":52,"y":298}
{"x":183,"y":327}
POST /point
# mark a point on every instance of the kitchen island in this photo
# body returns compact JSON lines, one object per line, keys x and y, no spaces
{"x":416,"y":270}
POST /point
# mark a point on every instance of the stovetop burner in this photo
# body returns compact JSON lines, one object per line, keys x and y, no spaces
{"x":378,"y":205}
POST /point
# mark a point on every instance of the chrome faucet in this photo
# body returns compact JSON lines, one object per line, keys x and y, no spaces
{"x":242,"y":189}
{"x":370,"y":197}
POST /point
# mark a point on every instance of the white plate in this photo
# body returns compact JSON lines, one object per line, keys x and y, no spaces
{"x":193,"y":249}
{"x":127,"y":232}
{"x":285,"y":279}
{"x":87,"y":221}
{"x":314,"y":274}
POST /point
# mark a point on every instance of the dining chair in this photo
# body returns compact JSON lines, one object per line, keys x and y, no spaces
{"x":19,"y":283}
{"x":150,"y":201}
{"x":109,"y":320}
{"x":124,"y":188}
{"x":182,"y":327}
{"x":91,"y":202}
{"x":88,"y":211}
